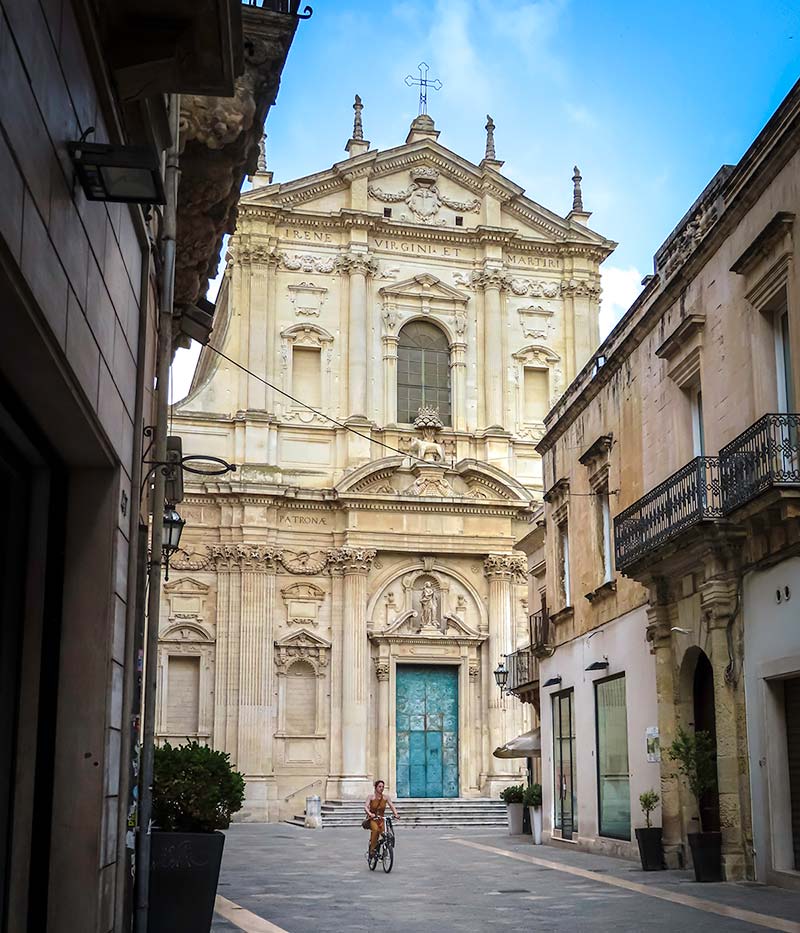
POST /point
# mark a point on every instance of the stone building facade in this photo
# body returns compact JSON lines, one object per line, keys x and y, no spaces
{"x":343,"y":600}
{"x":683,"y":429}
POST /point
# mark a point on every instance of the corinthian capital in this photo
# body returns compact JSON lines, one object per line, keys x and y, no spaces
{"x":506,"y":566}
{"x":357,"y":264}
{"x":253,"y":557}
{"x":491,"y":278}
{"x":352,"y":559}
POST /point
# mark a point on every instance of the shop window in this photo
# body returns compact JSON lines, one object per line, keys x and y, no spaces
{"x":565,"y":796}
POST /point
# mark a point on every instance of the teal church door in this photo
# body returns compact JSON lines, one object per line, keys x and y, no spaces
{"x":427,"y":731}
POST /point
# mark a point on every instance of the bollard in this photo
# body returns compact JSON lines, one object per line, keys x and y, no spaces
{"x":313,"y":813}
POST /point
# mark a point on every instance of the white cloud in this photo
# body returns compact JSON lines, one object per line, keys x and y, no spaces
{"x":620,"y":288}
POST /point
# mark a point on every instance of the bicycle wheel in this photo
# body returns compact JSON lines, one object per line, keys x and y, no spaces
{"x":388,"y":857}
{"x":372,"y":860}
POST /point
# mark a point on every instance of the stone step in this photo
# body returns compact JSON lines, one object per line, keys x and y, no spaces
{"x":432,"y":812}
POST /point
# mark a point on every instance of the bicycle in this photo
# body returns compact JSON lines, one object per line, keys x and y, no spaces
{"x":384,"y":850}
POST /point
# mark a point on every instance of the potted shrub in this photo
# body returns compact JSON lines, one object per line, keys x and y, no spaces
{"x":648,"y":837}
{"x":695,"y":755}
{"x":195,"y":791}
{"x":532,"y":799}
{"x":513,"y":797}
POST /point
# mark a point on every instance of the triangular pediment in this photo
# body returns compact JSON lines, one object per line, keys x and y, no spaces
{"x":302,"y":638}
{"x":425,"y":286}
{"x":186,"y":585}
{"x":404,"y":176}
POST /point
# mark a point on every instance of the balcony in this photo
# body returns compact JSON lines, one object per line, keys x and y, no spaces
{"x":766,"y":456}
{"x":523,"y":669}
{"x":688,"y":498}
{"x":540,"y":631}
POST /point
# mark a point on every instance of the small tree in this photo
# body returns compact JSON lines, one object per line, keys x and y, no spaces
{"x":195,"y":789}
{"x":532,"y":796}
{"x":648,"y":801}
{"x":695,"y":755}
{"x":513,"y":794}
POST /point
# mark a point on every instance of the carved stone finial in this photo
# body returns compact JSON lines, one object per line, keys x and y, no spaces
{"x":426,"y":447}
{"x":490,"y":153}
{"x":261,"y":165}
{"x":428,"y":417}
{"x":358,"y":128}
{"x":577,"y":196}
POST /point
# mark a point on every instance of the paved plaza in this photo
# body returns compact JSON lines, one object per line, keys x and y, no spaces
{"x":280,"y":878}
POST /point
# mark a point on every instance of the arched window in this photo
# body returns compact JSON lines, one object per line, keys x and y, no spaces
{"x":423,"y":371}
{"x":301,"y":699}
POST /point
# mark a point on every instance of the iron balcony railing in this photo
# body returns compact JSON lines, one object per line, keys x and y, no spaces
{"x":523,"y":668}
{"x":540,"y":629}
{"x":289,"y":7}
{"x":687,"y":498}
{"x":766,"y":455}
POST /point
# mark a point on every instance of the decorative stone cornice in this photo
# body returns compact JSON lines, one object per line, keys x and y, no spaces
{"x":352,"y":559}
{"x":357,"y":264}
{"x":506,"y":566}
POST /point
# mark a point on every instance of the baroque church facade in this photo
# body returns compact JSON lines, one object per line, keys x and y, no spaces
{"x":341,"y":601}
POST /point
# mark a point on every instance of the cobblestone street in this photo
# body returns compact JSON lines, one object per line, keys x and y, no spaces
{"x":301,"y":881}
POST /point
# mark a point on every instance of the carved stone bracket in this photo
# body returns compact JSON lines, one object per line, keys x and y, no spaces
{"x":381,"y":669}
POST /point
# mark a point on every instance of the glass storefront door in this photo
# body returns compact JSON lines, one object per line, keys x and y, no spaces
{"x":565,"y":801}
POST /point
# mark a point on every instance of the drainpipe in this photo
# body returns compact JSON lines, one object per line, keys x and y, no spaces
{"x":159,"y":455}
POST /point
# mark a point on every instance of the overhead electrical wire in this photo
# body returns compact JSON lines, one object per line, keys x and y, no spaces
{"x":321,"y":414}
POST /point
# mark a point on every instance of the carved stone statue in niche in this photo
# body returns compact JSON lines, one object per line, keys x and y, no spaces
{"x":428,"y":604}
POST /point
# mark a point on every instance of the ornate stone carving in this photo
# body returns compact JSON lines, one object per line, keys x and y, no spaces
{"x":306,"y":262}
{"x":474,"y":671}
{"x":252,"y":252}
{"x":219,"y":138}
{"x":303,"y":562}
{"x":303,"y":602}
{"x":428,"y":484}
{"x":489,"y":155}
{"x":381,"y":669}
{"x":357,"y":263}
{"x":302,"y":646}
{"x":242,"y":556}
{"x":491,"y":278}
{"x":686,"y":240}
{"x":536,"y":322}
{"x":574,"y":288}
{"x":307,"y":298}
{"x":183,"y":560}
{"x":464,"y":279}
{"x":390,"y":320}
{"x":460,"y":324}
{"x":352,"y":559}
{"x":423,"y":197}
{"x":508,"y":566}
{"x":426,"y":447}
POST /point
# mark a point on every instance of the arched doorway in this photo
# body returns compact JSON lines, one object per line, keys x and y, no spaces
{"x":704,"y":719}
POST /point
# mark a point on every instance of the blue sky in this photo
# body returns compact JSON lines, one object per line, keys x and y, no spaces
{"x":648,"y":99}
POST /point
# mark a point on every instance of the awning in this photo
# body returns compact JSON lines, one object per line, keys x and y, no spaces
{"x":527,"y":745}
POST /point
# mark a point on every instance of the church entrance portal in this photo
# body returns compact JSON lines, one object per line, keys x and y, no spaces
{"x":427,"y":731}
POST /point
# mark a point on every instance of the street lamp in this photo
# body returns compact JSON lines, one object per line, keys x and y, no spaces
{"x":501,"y":676}
{"x":173,"y":526}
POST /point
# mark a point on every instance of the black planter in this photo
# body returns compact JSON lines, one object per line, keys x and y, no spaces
{"x":184,"y":870}
{"x":706,"y":856}
{"x":651,"y":851}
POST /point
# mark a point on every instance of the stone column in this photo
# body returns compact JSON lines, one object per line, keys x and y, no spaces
{"x":659,"y":614}
{"x":257,"y":681}
{"x":719,"y":603}
{"x":359,"y":266}
{"x":502,"y":571}
{"x":382,"y":673}
{"x":492,"y":281}
{"x":226,"y":559}
{"x":475,"y":717}
{"x":355,"y":564}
